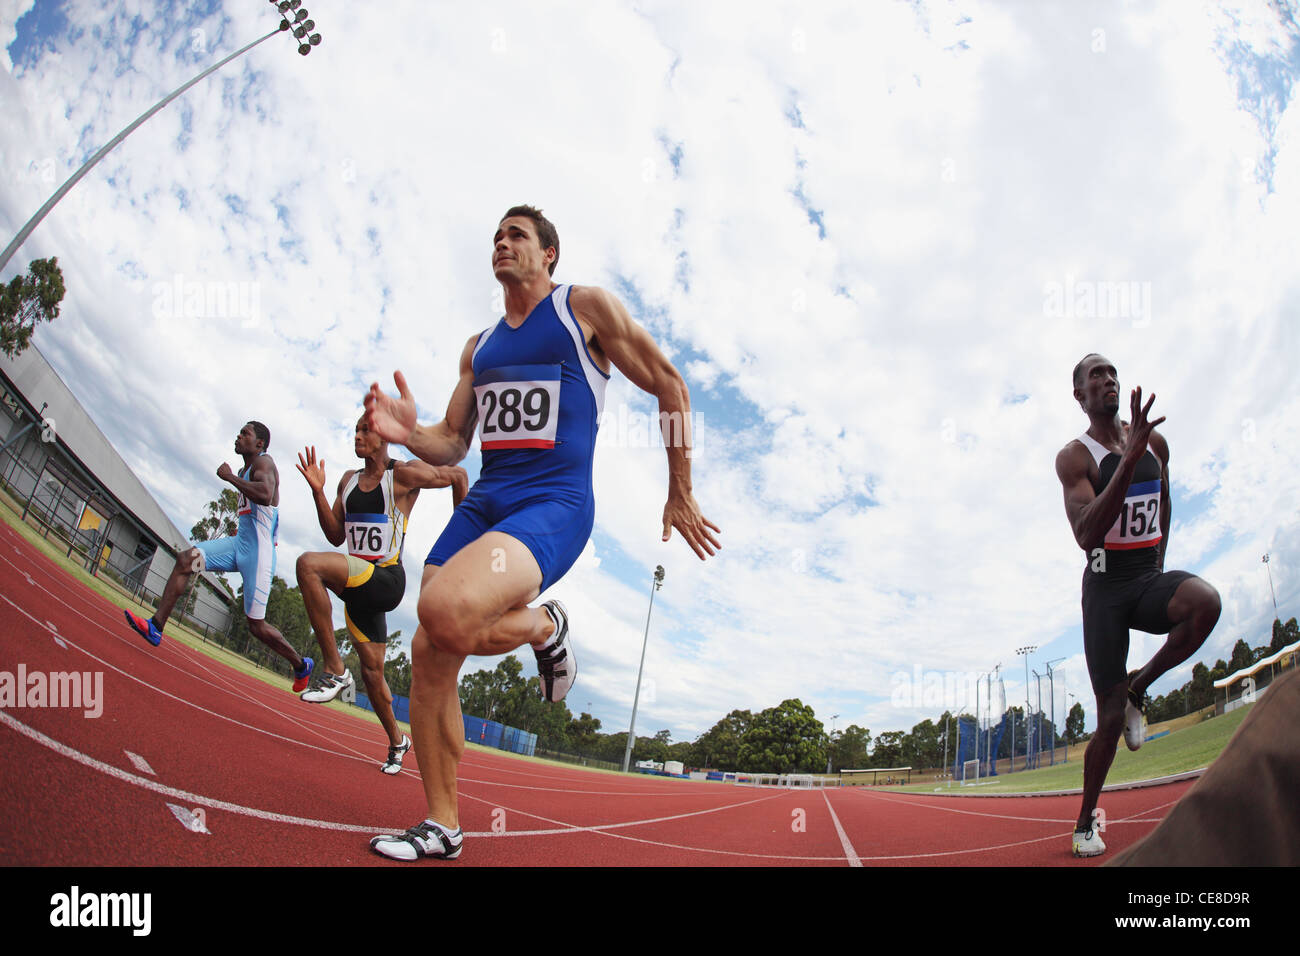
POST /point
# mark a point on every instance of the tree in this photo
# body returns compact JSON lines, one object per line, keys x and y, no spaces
{"x":494,"y":694}
{"x":584,"y":733}
{"x":1242,"y":656}
{"x":849,"y":748}
{"x":1201,"y":692}
{"x":28,"y":300}
{"x":1074,"y":723}
{"x":719,"y":747}
{"x":889,"y":749}
{"x":923,"y":747}
{"x":1284,"y":635}
{"x":222,"y":520}
{"x":787,"y":738}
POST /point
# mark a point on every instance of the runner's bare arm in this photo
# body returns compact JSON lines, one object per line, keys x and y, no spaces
{"x":444,"y":443}
{"x":329,"y":516}
{"x":1092,"y":515}
{"x":414,"y":475}
{"x":634,"y":353}
{"x":260,"y":488}
{"x":1161,"y":448}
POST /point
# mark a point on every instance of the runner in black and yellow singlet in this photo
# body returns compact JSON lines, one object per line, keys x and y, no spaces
{"x":1116,"y":482}
{"x":369,"y":515}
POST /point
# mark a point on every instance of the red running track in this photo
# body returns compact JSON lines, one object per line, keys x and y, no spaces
{"x":192,"y":763}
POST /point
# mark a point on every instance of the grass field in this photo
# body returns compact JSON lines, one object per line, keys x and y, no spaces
{"x":1191,"y":748}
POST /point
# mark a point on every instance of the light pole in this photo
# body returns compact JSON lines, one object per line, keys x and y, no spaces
{"x":1270,"y":585}
{"x":636,"y":699}
{"x":991,"y":766}
{"x":834,"y":717}
{"x":1051,"y":697}
{"x":1068,"y":740}
{"x":1025,"y":652}
{"x":301,"y":27}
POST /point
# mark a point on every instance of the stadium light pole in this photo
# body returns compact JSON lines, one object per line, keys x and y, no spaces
{"x":1068,"y":697}
{"x":1051,"y":697}
{"x":1038,"y":719}
{"x":1025,"y":652}
{"x":301,"y":27}
{"x":989,"y":730}
{"x":834,"y":717}
{"x":636,"y":698}
{"x":1270,"y":585}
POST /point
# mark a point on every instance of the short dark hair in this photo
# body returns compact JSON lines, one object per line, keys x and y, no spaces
{"x":263,"y":433}
{"x":1079,"y":368}
{"x":546,"y":234}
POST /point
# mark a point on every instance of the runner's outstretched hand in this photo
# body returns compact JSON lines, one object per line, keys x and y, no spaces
{"x":393,"y":419}
{"x":682,"y":512}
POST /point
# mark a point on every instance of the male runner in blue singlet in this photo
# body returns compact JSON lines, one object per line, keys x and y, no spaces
{"x":251,"y":552}
{"x":369,"y":514}
{"x":534,"y":385}
{"x":1116,"y":482}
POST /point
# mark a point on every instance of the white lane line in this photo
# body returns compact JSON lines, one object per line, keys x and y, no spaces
{"x":601,"y":830}
{"x":849,"y":852}
{"x":193,"y":798}
{"x":973,"y":813}
{"x":350,"y":753}
{"x":193,"y":820}
{"x":995,"y":816}
{"x":140,"y":763}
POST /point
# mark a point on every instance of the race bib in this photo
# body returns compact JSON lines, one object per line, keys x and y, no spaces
{"x":1138,"y":524}
{"x":367,"y":536}
{"x":518,"y":406}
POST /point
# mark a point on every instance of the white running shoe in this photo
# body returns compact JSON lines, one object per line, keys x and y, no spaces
{"x":395,"y":755}
{"x":1087,"y":843}
{"x":556,"y":666}
{"x":328,"y":686}
{"x":425,"y":839}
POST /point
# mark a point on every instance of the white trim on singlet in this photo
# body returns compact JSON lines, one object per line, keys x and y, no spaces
{"x":396,"y":519}
{"x":482,"y":341}
{"x":596,"y":379}
{"x":1100,"y":451}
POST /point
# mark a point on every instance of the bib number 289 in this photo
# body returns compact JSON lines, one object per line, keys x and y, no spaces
{"x":518,"y":407}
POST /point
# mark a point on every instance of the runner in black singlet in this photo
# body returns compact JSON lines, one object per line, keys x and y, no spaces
{"x":369,"y":514}
{"x":1116,"y":482}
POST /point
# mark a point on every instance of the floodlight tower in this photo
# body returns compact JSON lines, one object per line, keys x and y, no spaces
{"x":301,"y":27}
{"x":631,"y":729}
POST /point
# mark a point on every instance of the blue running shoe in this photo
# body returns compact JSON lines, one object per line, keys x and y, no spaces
{"x":302,"y":677}
{"x":145,"y":629}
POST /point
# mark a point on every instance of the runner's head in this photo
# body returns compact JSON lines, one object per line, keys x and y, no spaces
{"x":525,"y":242}
{"x":367,"y":443}
{"x":254,"y":438}
{"x":1096,"y":385}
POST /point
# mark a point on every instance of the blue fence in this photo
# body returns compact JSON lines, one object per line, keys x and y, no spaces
{"x":401,"y":706}
{"x":489,"y":733}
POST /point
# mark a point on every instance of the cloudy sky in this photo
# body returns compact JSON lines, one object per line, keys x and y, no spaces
{"x":875,"y":238}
